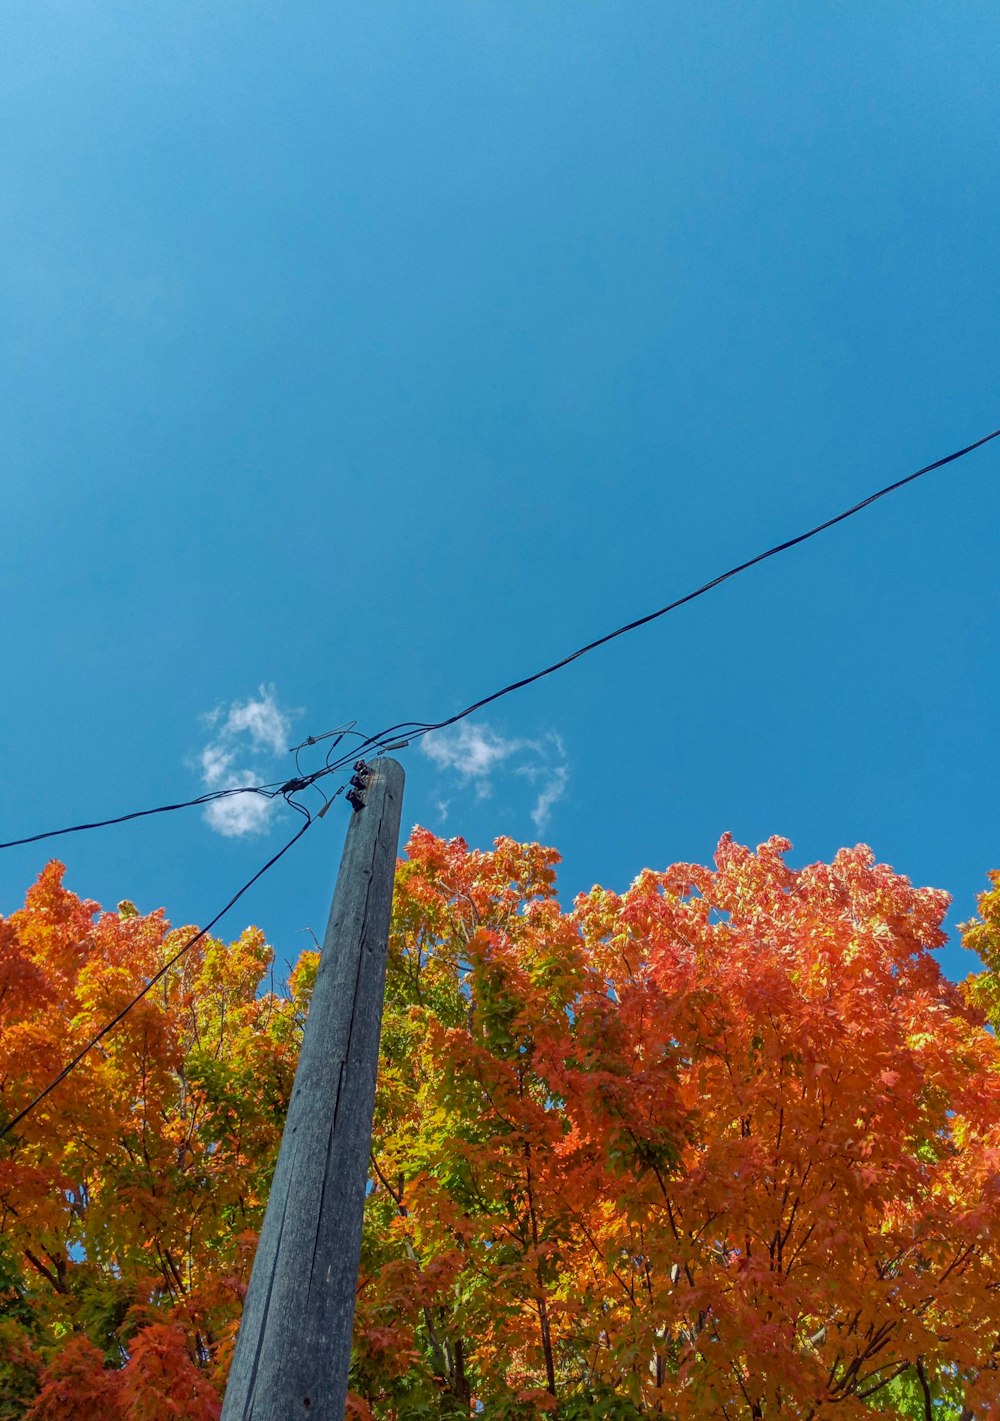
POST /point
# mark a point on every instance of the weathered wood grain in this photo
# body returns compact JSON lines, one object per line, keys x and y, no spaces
{"x":294,"y":1346}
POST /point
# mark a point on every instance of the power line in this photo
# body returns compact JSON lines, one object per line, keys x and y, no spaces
{"x":413,"y":730}
{"x":416,"y":729}
{"x":162,"y":971}
{"x":272,"y":790}
{"x":269,"y":791}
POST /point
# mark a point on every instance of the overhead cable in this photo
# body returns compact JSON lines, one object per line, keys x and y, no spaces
{"x":390,"y":738}
{"x":417,"y":729}
{"x":156,"y":977}
{"x":270,"y":791}
{"x":413,"y":730}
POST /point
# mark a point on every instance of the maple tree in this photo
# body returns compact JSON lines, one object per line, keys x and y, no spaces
{"x":982,"y":936}
{"x":725,"y":1145}
{"x":130,"y":1198}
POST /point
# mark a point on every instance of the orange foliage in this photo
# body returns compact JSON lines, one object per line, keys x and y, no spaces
{"x":77,"y":1386}
{"x":726,"y":1145}
{"x":130,"y":1198}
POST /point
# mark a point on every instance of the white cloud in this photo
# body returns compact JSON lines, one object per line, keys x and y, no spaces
{"x":473,"y":750}
{"x":266,"y":725}
{"x":239,"y":814}
{"x":215,"y":763}
{"x":550,"y":794}
{"x":478,"y":754}
{"x":256,"y":726}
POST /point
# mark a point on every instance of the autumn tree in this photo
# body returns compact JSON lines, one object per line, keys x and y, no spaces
{"x":982,"y":936}
{"x":725,"y":1145}
{"x":131,"y":1197}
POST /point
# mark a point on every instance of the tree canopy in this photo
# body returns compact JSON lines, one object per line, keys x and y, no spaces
{"x":724,"y":1145}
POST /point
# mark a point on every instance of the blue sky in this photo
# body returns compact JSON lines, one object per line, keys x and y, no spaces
{"x":375,"y":355}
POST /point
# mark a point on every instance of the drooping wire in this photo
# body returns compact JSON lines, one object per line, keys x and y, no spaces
{"x":272,"y":790}
{"x":390,"y":738}
{"x":365,"y":740}
{"x":413,"y":730}
{"x":337,"y":735}
{"x":269,"y":791}
{"x":160,"y":973}
{"x":394,"y":736}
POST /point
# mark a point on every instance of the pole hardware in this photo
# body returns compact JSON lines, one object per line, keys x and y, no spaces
{"x":359,"y":782}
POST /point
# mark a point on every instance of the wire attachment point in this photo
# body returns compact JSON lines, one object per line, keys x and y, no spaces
{"x":359,"y":780}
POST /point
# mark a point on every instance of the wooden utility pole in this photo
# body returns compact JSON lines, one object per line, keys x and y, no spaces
{"x":294,"y":1346}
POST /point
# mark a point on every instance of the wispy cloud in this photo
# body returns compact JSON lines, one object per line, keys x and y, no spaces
{"x":473,"y":750}
{"x":239,"y":814}
{"x":476,"y":755}
{"x":245,"y":733}
{"x":554,"y":779}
